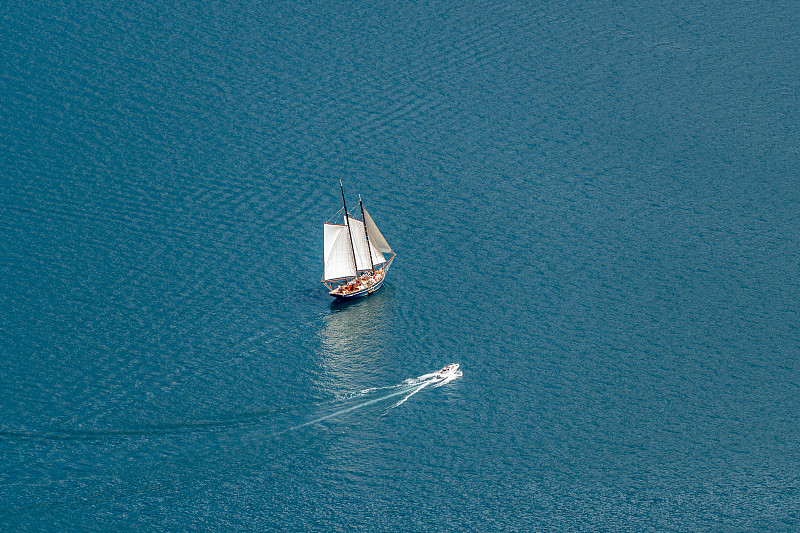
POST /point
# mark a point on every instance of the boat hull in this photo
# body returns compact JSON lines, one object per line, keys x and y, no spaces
{"x":359,"y":294}
{"x":366,"y":291}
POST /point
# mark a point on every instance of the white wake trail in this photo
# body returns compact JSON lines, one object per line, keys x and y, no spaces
{"x":413,"y":392}
{"x":409,"y":387}
{"x":436,"y":379}
{"x":343,"y":411}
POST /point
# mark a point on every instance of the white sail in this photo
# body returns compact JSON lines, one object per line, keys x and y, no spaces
{"x":360,"y":246}
{"x":376,"y":239}
{"x":338,"y":252}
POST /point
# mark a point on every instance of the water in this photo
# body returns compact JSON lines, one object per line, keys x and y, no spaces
{"x":595,"y":211}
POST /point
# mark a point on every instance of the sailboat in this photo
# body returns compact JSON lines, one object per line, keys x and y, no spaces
{"x":354,"y":262}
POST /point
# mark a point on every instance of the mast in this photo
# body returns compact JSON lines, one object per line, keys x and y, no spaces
{"x":350,"y":233}
{"x":366,"y":235}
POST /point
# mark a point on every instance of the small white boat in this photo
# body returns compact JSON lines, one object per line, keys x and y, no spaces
{"x":354,"y":261}
{"x":450,"y":371}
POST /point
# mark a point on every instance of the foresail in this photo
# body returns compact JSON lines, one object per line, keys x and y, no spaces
{"x":376,"y":239}
{"x":338,"y":254}
{"x":360,"y":246}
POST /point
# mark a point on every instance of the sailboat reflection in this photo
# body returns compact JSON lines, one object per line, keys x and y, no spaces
{"x":352,"y":340}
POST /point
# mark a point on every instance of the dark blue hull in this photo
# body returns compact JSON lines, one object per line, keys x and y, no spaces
{"x":361,"y":293}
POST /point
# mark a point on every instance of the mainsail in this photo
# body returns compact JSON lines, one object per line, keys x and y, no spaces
{"x":376,"y":239}
{"x":338,"y":252}
{"x":360,"y":247}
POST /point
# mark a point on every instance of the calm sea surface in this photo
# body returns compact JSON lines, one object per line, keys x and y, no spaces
{"x":595,"y":209}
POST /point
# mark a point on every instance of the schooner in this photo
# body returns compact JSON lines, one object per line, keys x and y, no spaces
{"x":354,"y":261}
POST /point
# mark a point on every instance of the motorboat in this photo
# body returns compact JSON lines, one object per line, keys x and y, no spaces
{"x":450,"y":371}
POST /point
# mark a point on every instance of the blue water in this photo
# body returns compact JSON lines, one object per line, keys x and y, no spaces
{"x":595,"y":209}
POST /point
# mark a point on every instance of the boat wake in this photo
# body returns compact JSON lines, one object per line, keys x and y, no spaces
{"x":410,"y":394}
{"x":434,"y":379}
{"x":252,"y":439}
{"x":406,"y":389}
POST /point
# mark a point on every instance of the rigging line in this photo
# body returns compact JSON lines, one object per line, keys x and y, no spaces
{"x":349,"y":232}
{"x":335,"y":215}
{"x":366,"y":235}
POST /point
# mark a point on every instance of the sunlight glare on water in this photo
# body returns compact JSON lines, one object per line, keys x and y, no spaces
{"x":595,"y":213}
